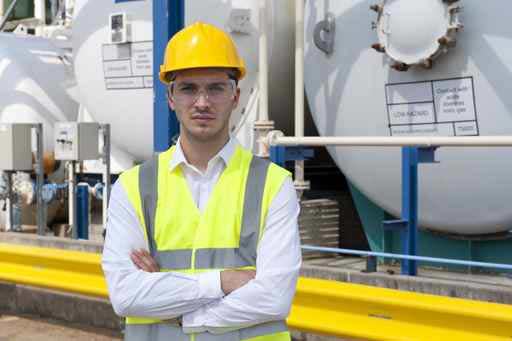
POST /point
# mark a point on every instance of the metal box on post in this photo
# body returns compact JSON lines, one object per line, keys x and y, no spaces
{"x":15,"y":146}
{"x":76,"y":141}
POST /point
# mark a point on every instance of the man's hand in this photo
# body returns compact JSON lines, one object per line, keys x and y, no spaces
{"x":143,"y":260}
{"x":231,"y":280}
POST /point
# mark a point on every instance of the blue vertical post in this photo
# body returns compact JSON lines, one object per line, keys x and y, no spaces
{"x":168,"y":18}
{"x":82,"y":211}
{"x":410,"y":158}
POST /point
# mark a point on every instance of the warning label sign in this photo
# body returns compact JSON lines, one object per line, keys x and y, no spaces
{"x":128,"y":66}
{"x":438,"y":107}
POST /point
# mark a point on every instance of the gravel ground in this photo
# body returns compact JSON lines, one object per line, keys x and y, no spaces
{"x":15,"y":328}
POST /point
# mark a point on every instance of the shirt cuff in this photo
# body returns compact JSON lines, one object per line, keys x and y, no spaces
{"x":209,"y":285}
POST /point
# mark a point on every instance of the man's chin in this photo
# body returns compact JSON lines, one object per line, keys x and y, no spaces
{"x":204,"y":135}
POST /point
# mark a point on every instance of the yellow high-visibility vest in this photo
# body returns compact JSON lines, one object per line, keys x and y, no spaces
{"x":224,"y":236}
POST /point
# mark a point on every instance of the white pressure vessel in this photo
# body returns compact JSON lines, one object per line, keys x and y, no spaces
{"x":115,"y":79}
{"x":458,"y":83}
{"x":36,"y":77}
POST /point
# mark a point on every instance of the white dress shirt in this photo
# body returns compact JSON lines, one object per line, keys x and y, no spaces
{"x":198,"y":297}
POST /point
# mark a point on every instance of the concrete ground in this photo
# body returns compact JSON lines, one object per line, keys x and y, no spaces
{"x":15,"y":328}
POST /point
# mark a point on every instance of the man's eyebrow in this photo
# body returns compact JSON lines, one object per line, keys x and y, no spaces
{"x":185,"y":83}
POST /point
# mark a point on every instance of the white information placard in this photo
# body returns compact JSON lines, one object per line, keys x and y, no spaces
{"x":444,"y":107}
{"x":409,"y":93}
{"x":128,"y":65}
{"x":412,"y":113}
{"x":454,"y":100}
{"x":117,"y":68}
{"x":142,"y":59}
{"x":437,"y":129}
{"x":124,"y":83}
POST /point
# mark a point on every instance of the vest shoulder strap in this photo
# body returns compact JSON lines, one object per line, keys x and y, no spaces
{"x":148,"y":189}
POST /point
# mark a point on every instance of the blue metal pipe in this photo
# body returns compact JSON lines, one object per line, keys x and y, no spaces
{"x":407,"y":257}
{"x":82,"y":211}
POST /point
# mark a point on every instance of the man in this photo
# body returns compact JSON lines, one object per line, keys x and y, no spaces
{"x":202,"y":241}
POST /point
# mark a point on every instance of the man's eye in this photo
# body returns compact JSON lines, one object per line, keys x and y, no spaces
{"x":217,"y":88}
{"x":187,"y":89}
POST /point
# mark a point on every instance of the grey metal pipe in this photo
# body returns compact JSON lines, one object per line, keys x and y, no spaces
{"x":8,"y":182}
{"x":41,"y":207}
{"x":7,"y":14}
{"x":299,"y":90}
{"x":263,"y":62}
{"x":399,"y":256}
{"x":106,"y":175}
{"x":72,"y":199}
{"x":277,"y":138}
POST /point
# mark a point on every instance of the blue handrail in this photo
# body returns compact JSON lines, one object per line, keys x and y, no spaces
{"x":408,"y":257}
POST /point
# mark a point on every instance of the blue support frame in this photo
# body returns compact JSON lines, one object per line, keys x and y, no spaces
{"x":409,"y":235}
{"x":408,"y":224}
{"x":168,"y":18}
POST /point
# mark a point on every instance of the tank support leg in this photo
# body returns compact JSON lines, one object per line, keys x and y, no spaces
{"x":411,"y":157}
{"x":408,"y":224}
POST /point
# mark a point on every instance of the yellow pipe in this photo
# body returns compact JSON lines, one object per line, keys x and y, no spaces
{"x":371,"y":313}
{"x":70,"y":271}
{"x":320,"y":306}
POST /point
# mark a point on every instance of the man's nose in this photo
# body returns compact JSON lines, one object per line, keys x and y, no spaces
{"x":202,"y":99}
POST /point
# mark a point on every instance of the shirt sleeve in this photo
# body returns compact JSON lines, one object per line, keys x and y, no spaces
{"x":133,"y":292}
{"x":269,"y":295}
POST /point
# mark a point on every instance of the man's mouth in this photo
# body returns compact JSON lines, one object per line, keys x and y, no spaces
{"x":203,"y":117}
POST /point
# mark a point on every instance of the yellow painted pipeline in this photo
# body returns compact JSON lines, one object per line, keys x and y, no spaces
{"x":320,"y":306}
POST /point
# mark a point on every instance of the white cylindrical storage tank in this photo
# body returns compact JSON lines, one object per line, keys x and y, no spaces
{"x":36,"y":78}
{"x":115,"y":80}
{"x":449,"y":90}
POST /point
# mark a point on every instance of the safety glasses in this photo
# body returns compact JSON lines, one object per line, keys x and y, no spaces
{"x":215,"y":92}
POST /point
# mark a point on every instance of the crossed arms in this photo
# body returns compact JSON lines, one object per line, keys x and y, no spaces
{"x":212,"y":301}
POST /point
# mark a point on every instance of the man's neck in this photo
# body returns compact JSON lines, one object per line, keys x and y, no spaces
{"x":199,"y":153}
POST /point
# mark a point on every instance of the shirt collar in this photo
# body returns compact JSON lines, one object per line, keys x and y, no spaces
{"x":224,"y":154}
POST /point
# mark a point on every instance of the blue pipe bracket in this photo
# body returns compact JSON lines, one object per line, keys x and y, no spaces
{"x":281,"y":154}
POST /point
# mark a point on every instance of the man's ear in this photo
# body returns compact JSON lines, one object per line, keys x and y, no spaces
{"x":237,"y":98}
{"x":170,"y":102}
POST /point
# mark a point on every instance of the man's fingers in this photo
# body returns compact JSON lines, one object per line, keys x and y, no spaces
{"x":231,"y":280}
{"x":143,"y":260}
{"x":136,"y":260}
{"x":150,"y":261}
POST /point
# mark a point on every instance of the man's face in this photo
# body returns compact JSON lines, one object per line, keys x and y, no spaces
{"x":203,"y":100}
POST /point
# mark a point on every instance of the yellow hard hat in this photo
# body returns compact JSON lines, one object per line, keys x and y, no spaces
{"x":200,"y":45}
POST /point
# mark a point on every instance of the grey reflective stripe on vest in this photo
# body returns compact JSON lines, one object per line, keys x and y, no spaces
{"x":174,"y":259}
{"x":154,"y":332}
{"x":245,"y":254}
{"x":222,"y":258}
{"x":168,"y":332}
{"x":148,"y":189}
{"x":215,"y":258}
{"x":263,"y":329}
